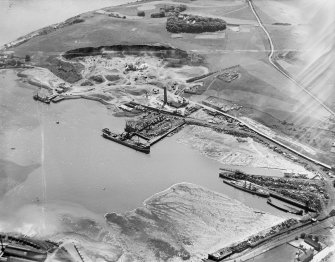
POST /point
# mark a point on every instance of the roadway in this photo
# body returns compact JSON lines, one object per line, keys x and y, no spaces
{"x":277,"y":67}
{"x":311,"y":227}
{"x":282,"y":239}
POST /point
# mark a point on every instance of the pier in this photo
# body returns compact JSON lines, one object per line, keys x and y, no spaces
{"x":152,"y":128}
{"x":57,"y":99}
{"x":159,"y":138}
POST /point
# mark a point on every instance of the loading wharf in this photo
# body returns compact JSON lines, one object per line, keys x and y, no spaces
{"x":159,"y":138}
{"x":150,"y":130}
{"x":55,"y":98}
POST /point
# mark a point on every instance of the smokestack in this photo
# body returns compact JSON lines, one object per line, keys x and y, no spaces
{"x":165,"y":95}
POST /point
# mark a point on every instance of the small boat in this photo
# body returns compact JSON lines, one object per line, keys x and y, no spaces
{"x":124,"y":140}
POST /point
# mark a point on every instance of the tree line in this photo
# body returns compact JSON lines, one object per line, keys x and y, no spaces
{"x":194,"y":24}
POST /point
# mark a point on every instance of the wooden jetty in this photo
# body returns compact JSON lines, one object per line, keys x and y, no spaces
{"x":157,"y":139}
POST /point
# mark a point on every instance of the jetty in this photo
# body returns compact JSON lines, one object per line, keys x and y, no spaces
{"x":126,"y":140}
{"x":159,"y":138}
{"x":57,"y":99}
{"x":146,"y":131}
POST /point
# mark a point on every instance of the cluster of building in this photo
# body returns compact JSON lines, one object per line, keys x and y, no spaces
{"x":169,"y":10}
{"x":192,"y":89}
{"x":308,"y":248}
{"x":46,"y":96}
{"x":253,"y":241}
{"x":9,"y":60}
{"x":229,"y":74}
{"x":147,"y":120}
{"x":333,"y":148}
{"x":152,"y":124}
{"x":220,"y":104}
{"x":304,"y":255}
{"x":137,"y":66}
{"x":116,"y":15}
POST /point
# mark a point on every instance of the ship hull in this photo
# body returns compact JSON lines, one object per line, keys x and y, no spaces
{"x":145,"y":150}
{"x":282,"y":208}
{"x":245,"y":189}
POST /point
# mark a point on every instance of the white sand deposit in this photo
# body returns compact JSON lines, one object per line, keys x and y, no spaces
{"x":227,"y":150}
{"x":184,"y":221}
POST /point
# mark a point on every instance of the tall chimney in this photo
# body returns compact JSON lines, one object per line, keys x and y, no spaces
{"x":165,"y":95}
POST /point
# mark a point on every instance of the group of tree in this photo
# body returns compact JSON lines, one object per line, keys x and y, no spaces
{"x":169,"y":10}
{"x":74,"y":20}
{"x":140,"y":13}
{"x":158,"y":15}
{"x":173,"y":8}
{"x":194,"y":24}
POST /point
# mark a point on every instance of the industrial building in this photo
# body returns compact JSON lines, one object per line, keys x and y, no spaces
{"x":305,"y":255}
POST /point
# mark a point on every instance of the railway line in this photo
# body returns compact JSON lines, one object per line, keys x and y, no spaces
{"x":285,"y":237}
{"x":268,"y":137}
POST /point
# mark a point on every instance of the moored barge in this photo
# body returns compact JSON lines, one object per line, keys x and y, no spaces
{"x":126,"y":141}
{"x":285,"y":208}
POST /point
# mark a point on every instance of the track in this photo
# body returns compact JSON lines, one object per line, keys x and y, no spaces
{"x":278,"y":68}
{"x":277,"y":241}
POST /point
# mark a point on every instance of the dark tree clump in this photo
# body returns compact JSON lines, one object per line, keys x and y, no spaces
{"x":194,"y":24}
{"x":141,"y":13}
{"x":27,"y":58}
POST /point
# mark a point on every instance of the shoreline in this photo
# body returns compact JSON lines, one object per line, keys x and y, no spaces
{"x":158,"y":201}
{"x":53,"y":27}
{"x":191,"y":191}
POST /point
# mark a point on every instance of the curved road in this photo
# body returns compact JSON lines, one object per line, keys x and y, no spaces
{"x":276,"y":66}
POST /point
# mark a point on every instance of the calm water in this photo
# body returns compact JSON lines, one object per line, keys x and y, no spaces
{"x":19,"y":17}
{"x":78,"y":166}
{"x":70,"y":165}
